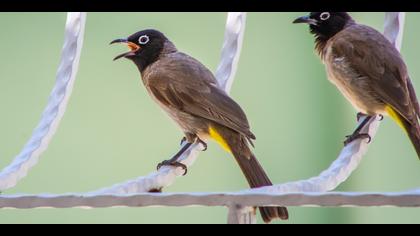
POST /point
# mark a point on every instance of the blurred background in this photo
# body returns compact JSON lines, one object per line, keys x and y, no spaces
{"x":112,"y":131}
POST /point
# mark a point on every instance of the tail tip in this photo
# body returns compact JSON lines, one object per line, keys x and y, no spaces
{"x":271,"y":213}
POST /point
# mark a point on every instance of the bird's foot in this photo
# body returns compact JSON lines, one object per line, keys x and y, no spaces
{"x":355,"y":136}
{"x":381,"y":117}
{"x":174,"y":164}
{"x":202,"y":143}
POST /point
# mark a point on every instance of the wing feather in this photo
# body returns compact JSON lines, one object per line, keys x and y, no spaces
{"x":185,"y":84}
{"x":370,"y":54}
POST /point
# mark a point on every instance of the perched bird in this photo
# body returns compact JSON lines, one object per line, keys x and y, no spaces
{"x":188,"y":92}
{"x":367,"y":69}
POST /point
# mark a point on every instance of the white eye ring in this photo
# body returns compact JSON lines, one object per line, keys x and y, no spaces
{"x":143,"y":39}
{"x":325,"y":16}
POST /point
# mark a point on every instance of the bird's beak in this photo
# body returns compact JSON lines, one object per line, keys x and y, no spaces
{"x":305,"y":19}
{"x":133,"y":47}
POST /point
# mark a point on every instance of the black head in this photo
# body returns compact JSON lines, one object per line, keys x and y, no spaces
{"x":145,"y":47}
{"x":325,"y":24}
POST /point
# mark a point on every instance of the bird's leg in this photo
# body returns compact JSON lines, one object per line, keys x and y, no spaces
{"x":174,"y":160}
{"x":356,"y":134}
{"x":193,"y":138}
{"x":360,"y":115}
{"x":184,"y":139}
{"x":190,"y":139}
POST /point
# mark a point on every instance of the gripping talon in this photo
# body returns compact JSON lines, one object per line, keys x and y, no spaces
{"x":202,"y":143}
{"x":174,"y":164}
{"x":368,"y":138}
{"x":353,"y":137}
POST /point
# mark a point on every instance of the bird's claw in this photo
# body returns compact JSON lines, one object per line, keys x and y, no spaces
{"x":174,"y":164}
{"x":184,"y":139}
{"x":202,"y":143}
{"x":355,"y":136}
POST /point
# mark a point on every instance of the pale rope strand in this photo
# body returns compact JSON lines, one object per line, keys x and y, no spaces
{"x":394,"y":24}
{"x":225,"y":74}
{"x":319,"y":199}
{"x":231,"y":50}
{"x":54,"y":111}
{"x":351,"y":155}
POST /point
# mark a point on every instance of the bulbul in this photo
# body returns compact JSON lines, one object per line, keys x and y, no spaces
{"x":367,"y":69}
{"x":189,"y":93}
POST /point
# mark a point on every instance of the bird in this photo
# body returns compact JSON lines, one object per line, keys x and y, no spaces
{"x":189,"y":93}
{"x":368,"y":70}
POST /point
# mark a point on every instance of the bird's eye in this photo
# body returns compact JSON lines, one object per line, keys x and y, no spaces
{"x":144,"y":39}
{"x":325,"y":16}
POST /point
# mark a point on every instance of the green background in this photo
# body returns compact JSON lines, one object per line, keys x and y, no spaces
{"x":112,"y":131}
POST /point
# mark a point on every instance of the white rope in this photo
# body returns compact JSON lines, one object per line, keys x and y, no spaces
{"x":231,"y":49}
{"x":56,"y":106}
{"x":330,"y":199}
{"x":393,"y":28}
{"x":348,"y":160}
{"x":225,"y":74}
{"x":351,"y":155}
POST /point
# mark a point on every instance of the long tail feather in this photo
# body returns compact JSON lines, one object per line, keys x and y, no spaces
{"x":254,"y":173}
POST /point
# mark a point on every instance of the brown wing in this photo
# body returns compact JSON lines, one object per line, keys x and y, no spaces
{"x":370,"y":54}
{"x":185,"y":84}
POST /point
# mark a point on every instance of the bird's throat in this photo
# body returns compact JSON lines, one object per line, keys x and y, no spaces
{"x":142,"y":61}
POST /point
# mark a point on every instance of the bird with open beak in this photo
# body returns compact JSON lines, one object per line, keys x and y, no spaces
{"x":189,"y":93}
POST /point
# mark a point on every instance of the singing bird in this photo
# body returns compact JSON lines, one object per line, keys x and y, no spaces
{"x":367,"y":69}
{"x":189,"y":93}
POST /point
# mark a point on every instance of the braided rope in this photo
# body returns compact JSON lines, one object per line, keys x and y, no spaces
{"x":329,"y":199}
{"x":57,"y":103}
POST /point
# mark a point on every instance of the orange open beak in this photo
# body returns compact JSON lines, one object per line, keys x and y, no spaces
{"x":132,"y":46}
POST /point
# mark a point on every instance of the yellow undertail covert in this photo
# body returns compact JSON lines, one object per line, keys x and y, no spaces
{"x":395,"y":116}
{"x":219,"y":139}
